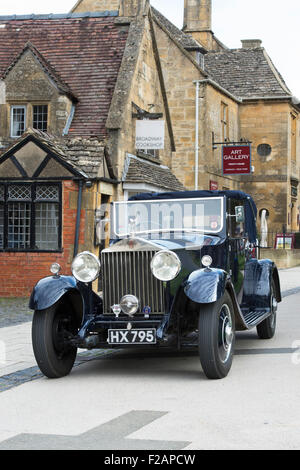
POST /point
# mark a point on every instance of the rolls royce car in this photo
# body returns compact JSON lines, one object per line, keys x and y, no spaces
{"x":181,"y":271}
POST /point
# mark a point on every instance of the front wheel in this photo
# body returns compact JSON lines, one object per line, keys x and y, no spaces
{"x":50,"y":330}
{"x":217,"y":337}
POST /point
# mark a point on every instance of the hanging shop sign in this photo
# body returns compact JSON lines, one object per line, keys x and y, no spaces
{"x":236,"y":160}
{"x":150,"y":135}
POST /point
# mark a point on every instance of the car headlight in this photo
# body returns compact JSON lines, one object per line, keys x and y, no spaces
{"x":86,"y":267}
{"x":165,"y":265}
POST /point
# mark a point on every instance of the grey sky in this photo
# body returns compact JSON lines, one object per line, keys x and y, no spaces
{"x":274,"y":21}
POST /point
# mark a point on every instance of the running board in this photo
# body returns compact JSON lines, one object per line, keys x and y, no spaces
{"x":254,"y":317}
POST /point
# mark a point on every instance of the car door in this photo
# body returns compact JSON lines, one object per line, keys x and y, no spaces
{"x":238,"y":247}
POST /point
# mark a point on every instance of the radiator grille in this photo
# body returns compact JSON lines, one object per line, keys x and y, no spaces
{"x":129,"y":273}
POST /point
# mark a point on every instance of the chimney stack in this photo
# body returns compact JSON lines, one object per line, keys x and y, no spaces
{"x":131,"y":8}
{"x":251,"y":43}
{"x":197,"y":21}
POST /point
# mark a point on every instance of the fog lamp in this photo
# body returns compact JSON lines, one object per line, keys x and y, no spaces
{"x":129,"y":305}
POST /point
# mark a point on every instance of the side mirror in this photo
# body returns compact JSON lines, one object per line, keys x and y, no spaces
{"x":240,"y":214}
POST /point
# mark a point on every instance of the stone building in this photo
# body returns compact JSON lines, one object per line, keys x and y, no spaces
{"x":242,"y":97}
{"x":71,"y":90}
{"x":216,"y":94}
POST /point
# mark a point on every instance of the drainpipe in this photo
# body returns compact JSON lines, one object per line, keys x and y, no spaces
{"x":79,"y":202}
{"x":197,"y":82}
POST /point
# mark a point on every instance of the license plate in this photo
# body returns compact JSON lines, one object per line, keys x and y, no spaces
{"x":134,"y":336}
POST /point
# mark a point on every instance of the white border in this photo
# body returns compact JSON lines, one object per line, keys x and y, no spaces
{"x":17,"y":106}
{"x":168,"y":200}
{"x":133,"y":329}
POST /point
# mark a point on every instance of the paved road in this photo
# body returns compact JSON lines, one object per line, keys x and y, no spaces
{"x":152,"y":400}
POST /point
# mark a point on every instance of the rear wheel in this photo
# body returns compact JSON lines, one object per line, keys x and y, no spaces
{"x":51,"y":329}
{"x":217,"y":337}
{"x":267,"y":329}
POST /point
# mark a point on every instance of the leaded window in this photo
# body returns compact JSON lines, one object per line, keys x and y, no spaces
{"x":30,"y":217}
{"x":40,"y":117}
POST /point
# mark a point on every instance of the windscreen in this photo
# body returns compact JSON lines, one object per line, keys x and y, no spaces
{"x":168,"y":216}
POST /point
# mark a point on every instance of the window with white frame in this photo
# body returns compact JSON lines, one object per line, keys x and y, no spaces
{"x":30,"y":115}
{"x":18,"y":120}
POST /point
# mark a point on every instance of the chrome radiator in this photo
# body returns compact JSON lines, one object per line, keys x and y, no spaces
{"x":129,"y":272}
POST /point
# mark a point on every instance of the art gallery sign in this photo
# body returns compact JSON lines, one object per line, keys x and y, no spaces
{"x":150,"y":135}
{"x":236,"y":160}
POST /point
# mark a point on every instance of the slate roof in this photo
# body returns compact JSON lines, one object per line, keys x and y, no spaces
{"x":87,"y":156}
{"x":185,"y":40}
{"x":84,"y":50}
{"x":140,"y":170}
{"x":246,"y":73}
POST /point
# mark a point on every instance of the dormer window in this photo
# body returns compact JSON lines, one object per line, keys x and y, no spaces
{"x":18,"y":120}
{"x":40,"y":117}
{"x":31,"y":115}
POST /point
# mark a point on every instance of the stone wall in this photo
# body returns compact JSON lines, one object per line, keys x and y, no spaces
{"x":95,"y":5}
{"x":145,"y":91}
{"x":180,"y":72}
{"x":270,"y":185}
{"x":28,"y":84}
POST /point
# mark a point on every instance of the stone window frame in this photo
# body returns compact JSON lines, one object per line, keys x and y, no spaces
{"x":29,"y":109}
{"x":33,"y":205}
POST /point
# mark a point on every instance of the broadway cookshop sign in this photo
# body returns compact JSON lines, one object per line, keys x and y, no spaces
{"x":236,"y":160}
{"x":150,"y":135}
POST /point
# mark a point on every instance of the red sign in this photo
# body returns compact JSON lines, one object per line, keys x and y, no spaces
{"x":236,"y":160}
{"x":213,"y":185}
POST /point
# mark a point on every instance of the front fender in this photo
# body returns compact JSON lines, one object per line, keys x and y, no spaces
{"x":49,"y":290}
{"x":205,"y":286}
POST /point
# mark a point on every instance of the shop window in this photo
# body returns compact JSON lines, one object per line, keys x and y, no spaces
{"x":30,"y":217}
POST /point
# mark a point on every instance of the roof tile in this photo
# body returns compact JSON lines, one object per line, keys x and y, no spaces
{"x":85,"y":53}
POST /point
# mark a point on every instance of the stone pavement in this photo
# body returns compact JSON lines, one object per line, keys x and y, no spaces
{"x":14,"y":311}
{"x":289,"y":279}
{"x":15,"y":340}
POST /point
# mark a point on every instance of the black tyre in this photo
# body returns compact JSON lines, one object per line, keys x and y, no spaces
{"x":217,"y":337}
{"x":267,"y":329}
{"x":50,"y":330}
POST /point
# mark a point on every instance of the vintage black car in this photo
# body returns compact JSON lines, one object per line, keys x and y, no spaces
{"x":181,"y":271}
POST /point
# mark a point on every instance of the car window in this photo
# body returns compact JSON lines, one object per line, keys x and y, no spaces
{"x":236,"y":229}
